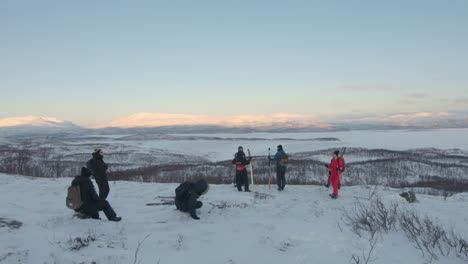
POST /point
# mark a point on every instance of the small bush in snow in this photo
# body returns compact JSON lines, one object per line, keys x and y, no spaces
{"x":431,"y":238}
{"x":427,"y":236}
{"x":372,"y":218}
{"x":78,"y":243}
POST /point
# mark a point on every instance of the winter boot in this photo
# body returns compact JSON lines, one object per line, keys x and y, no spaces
{"x":116,"y":219}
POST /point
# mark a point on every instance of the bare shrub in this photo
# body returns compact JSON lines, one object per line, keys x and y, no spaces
{"x":78,"y":243}
{"x":10,"y":223}
{"x":262,"y":196}
{"x":431,"y":238}
{"x":371,"y":219}
{"x":179,"y":242}
{"x":137,"y":250}
{"x":366,"y":257}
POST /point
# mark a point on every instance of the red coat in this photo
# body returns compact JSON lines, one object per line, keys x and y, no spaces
{"x":335,"y":168}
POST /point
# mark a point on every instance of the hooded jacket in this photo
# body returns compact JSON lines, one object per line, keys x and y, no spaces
{"x":98,"y":167}
{"x":240,"y":160}
{"x":187,"y":194}
{"x":87,"y":191}
{"x":277,"y":158}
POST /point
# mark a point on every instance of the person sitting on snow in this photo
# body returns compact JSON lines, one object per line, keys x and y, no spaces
{"x":187,"y":194}
{"x":92,"y":204}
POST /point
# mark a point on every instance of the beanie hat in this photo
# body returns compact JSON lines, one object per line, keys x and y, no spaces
{"x":337,"y":152}
{"x":240,"y":148}
{"x":280,"y":147}
{"x":85,"y":172}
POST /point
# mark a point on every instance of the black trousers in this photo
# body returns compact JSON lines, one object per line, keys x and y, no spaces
{"x":184,"y":207}
{"x":242,"y":179}
{"x":93,"y":209}
{"x":281,"y":177}
{"x":103,"y":185}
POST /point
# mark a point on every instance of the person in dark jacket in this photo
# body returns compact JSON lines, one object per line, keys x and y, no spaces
{"x":241,"y":171}
{"x":99,"y":169}
{"x":92,"y":203}
{"x":187,"y":194}
{"x":280,"y":170}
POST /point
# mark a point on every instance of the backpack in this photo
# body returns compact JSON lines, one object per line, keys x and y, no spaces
{"x":73,"y":200}
{"x":284,"y":160}
{"x":341,"y":160}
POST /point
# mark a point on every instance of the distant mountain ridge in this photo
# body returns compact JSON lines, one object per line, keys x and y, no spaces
{"x":36,"y":121}
{"x":152,"y":123}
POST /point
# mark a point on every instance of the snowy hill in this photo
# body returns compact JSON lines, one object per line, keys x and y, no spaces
{"x":33,"y":125}
{"x":35,"y":121}
{"x":251,"y":121}
{"x":299,"y":225}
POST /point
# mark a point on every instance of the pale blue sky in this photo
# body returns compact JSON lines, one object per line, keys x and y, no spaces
{"x":94,"y":61}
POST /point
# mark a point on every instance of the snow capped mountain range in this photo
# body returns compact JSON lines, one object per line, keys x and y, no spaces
{"x":252,"y":121}
{"x":164,"y":122}
{"x":35,"y":121}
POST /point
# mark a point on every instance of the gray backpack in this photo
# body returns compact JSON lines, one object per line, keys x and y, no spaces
{"x":73,"y":200}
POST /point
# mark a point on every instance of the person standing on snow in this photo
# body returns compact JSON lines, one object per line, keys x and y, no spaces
{"x":241,"y":171}
{"x":99,"y":169}
{"x":280,"y":169}
{"x":92,"y":203}
{"x":335,"y":169}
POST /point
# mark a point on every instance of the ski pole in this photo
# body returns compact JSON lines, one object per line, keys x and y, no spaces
{"x":269,"y":165}
{"x":251,"y":168}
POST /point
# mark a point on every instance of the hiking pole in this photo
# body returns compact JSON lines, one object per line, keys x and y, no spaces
{"x":251,"y":168}
{"x":269,"y":165}
{"x":235,"y":174}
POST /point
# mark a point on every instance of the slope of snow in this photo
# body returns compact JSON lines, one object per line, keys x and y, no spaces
{"x":300,"y":225}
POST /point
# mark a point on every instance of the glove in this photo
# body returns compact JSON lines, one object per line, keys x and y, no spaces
{"x":337,"y":169}
{"x":326,"y":166}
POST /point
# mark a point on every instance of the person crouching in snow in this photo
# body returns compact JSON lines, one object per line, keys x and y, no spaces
{"x":335,"y":169}
{"x":187,"y":194}
{"x":92,"y":204}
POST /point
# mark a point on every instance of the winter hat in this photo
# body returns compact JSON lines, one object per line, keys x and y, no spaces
{"x":240,"y":148}
{"x":201,"y":187}
{"x":280,"y":147}
{"x":85,"y":172}
{"x":337,"y":152}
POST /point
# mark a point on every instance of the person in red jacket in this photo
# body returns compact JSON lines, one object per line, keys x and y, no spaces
{"x":335,"y":169}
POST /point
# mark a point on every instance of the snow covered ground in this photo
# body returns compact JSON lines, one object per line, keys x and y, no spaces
{"x":300,"y":225}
